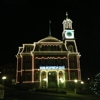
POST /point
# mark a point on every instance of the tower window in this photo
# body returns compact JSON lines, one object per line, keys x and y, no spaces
{"x":70,"y":48}
{"x":72,"y":65}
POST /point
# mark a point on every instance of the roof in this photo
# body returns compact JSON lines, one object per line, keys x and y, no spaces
{"x":50,"y":39}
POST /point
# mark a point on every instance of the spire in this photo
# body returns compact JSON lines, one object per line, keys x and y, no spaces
{"x":66,"y":15}
{"x":49,"y":27}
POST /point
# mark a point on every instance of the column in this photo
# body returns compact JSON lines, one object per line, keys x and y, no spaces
{"x":46,"y":79}
{"x":64,"y":79}
{"x":58,"y":78}
{"x":40,"y":78}
{"x":78,"y":67}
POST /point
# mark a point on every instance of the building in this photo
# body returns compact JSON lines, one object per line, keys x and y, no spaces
{"x":50,"y":62}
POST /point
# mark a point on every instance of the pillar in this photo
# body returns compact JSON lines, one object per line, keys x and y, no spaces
{"x":46,"y":79}
{"x":58,"y":78}
{"x":40,"y":78}
{"x":64,"y":79}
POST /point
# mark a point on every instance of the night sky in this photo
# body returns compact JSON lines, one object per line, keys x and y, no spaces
{"x":27,"y":22}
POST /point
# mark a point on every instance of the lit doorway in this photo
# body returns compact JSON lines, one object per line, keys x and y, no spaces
{"x":52,"y":79}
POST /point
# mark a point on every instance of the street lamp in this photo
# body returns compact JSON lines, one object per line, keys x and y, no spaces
{"x":4,"y":78}
{"x":75,"y":80}
{"x":82,"y":82}
{"x":75,"y":84}
{"x":82,"y":85}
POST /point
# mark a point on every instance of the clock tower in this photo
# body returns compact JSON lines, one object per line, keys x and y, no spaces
{"x":68,"y":32}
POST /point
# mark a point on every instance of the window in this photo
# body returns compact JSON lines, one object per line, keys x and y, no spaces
{"x":27,"y":65}
{"x":72,"y":75}
{"x":70,"y":48}
{"x":43,"y":48}
{"x":27,"y":58}
{"x":59,"y":62}
{"x":43,"y":62}
{"x":66,"y":75}
{"x":72,"y":65}
{"x":27,"y":76}
{"x":64,"y":62}
{"x":37,"y":63}
{"x":71,"y":57}
{"x":52,"y":48}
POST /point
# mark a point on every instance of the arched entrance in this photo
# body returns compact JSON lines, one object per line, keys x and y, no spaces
{"x":52,"y":79}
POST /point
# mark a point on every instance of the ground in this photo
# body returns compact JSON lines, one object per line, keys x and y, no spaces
{"x":13,"y":94}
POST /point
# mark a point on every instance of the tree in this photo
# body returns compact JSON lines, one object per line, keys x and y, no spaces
{"x":96,"y":85}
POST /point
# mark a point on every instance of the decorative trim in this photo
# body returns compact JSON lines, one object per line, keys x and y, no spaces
{"x":50,"y":57}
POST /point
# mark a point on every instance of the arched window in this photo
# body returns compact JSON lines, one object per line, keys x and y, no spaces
{"x":70,"y":48}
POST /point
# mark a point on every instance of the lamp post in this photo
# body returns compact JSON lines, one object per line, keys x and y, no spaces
{"x":82,"y":82}
{"x":3,"y":79}
{"x":75,"y":84}
{"x":82,"y":85}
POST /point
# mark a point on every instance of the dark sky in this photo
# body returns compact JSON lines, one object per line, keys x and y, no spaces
{"x":27,"y":22}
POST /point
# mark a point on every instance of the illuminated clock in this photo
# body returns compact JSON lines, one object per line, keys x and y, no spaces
{"x":69,"y":34}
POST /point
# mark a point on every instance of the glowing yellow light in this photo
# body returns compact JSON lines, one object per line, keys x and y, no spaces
{"x":75,"y":80}
{"x":82,"y":82}
{"x":62,"y":81}
{"x":45,"y":79}
{"x":4,"y":77}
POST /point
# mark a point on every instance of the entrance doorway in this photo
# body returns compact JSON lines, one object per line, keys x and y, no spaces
{"x":52,"y":79}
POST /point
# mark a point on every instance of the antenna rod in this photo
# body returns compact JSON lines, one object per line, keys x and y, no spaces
{"x":66,"y":14}
{"x":49,"y":27}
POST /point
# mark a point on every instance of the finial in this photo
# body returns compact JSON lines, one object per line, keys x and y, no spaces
{"x":66,"y":15}
{"x":49,"y":27}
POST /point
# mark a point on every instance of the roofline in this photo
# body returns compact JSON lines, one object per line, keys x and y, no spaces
{"x":46,"y":38}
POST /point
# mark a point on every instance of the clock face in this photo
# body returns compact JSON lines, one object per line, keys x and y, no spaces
{"x":69,"y":34}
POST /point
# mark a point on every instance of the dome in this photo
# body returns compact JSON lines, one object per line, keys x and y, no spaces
{"x":49,"y":39}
